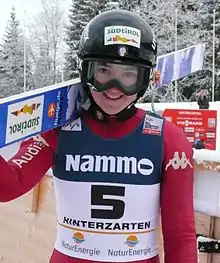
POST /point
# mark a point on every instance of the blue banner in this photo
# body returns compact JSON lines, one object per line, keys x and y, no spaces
{"x":179,"y":64}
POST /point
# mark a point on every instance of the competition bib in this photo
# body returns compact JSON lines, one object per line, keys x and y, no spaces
{"x":107,"y":222}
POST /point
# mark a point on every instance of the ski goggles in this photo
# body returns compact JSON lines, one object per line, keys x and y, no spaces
{"x":104,"y":75}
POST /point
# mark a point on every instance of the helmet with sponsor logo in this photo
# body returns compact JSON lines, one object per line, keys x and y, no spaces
{"x":119,"y":37}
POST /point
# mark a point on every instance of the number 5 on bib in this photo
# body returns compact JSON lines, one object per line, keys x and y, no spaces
{"x":98,"y":193}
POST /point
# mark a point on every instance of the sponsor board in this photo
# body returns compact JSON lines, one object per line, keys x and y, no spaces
{"x":195,"y":124}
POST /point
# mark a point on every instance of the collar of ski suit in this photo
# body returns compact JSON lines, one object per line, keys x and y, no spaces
{"x":113,"y":128}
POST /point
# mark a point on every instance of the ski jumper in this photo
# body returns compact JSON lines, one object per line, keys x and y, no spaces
{"x":110,"y":181}
{"x":114,"y":188}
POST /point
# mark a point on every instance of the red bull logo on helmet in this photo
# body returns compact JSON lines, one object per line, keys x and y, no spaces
{"x":122,"y":35}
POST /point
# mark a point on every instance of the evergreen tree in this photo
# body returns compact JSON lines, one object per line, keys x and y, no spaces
{"x":160,"y":15}
{"x":130,"y":5}
{"x":188,"y":35}
{"x":163,"y":16}
{"x":12,"y":59}
{"x":106,"y":5}
{"x":206,"y":28}
{"x":81,"y":12}
{"x":217,"y":51}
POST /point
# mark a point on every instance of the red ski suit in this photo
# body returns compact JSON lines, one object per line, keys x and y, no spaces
{"x":176,"y":189}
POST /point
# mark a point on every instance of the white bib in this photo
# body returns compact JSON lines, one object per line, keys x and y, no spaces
{"x":107,"y":222}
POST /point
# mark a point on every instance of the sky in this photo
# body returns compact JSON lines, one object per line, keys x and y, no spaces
{"x":28,"y":7}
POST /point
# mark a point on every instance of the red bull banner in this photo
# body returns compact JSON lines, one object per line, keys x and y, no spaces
{"x":196,"y":124}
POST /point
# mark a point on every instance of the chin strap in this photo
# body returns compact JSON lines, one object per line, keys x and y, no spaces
{"x":97,"y":113}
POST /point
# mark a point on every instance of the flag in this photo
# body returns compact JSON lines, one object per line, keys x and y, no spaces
{"x":181,"y":63}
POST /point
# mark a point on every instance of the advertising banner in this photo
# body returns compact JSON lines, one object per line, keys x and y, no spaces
{"x":195,"y":124}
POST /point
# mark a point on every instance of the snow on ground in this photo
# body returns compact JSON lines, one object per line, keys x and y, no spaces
{"x":206,"y":155}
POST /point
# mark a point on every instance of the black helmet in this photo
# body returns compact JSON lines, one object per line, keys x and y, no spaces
{"x":120,"y":36}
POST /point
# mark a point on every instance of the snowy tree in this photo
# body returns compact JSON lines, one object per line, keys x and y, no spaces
{"x":46,"y":40}
{"x":130,"y":5}
{"x":160,"y":15}
{"x":164,"y":16}
{"x":107,"y":5}
{"x":175,"y":26}
{"x":217,"y":53}
{"x":203,"y":79}
{"x":206,"y":13}
{"x":12,"y":59}
{"x":80,"y":13}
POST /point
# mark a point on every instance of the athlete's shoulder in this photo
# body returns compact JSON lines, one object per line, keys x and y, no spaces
{"x":178,"y":151}
{"x":174,"y":134}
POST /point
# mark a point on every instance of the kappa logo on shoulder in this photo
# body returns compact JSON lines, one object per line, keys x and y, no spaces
{"x":73,"y":126}
{"x":179,"y":161}
{"x":152,"y":125}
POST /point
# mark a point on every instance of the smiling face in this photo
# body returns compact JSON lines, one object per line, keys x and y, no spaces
{"x":113,"y":100}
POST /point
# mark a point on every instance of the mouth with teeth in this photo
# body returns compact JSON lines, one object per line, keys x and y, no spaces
{"x":113,"y":97}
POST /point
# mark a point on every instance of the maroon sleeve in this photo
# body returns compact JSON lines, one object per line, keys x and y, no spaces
{"x":177,"y":211}
{"x":25,"y":169}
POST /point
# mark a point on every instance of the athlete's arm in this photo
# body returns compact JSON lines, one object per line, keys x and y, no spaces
{"x":177,"y":198}
{"x":24,"y":170}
